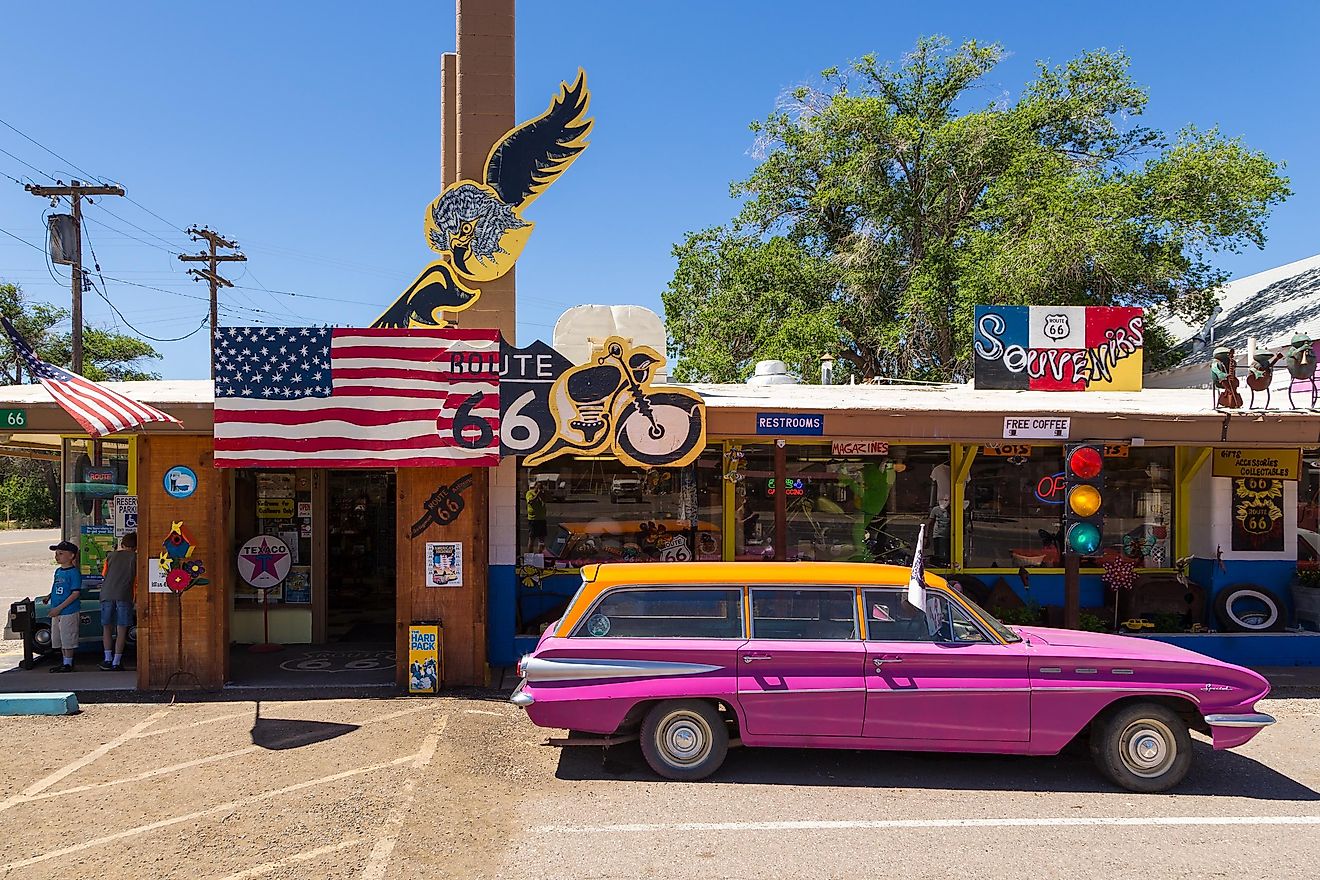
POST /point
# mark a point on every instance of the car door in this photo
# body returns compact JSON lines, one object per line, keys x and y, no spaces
{"x":955,"y":683}
{"x":801,"y":672}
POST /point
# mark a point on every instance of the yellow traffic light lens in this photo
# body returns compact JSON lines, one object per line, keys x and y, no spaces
{"x":1084,"y":500}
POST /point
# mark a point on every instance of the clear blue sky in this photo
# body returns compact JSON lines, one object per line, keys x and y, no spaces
{"x":310,"y":132}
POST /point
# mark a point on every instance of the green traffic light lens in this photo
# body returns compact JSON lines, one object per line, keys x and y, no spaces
{"x":1083,"y":538}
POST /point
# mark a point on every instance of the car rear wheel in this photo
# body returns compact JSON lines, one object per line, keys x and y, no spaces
{"x":1143,"y":747}
{"x":684,"y":739}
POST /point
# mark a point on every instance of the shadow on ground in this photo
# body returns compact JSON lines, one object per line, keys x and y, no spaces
{"x":1214,"y":773}
{"x":278,"y":734}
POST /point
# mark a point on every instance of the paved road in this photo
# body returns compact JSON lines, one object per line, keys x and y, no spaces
{"x":433,"y":788}
{"x":25,"y":564}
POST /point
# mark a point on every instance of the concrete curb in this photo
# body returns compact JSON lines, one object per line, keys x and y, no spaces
{"x":59,"y":703}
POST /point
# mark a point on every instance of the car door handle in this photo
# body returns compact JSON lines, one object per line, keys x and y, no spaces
{"x":881,"y":661}
{"x":748,"y":658}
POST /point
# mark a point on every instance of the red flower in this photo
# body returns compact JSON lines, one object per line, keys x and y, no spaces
{"x":178,"y":580}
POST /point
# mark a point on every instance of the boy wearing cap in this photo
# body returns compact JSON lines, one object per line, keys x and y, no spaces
{"x":65,"y":593}
{"x":117,"y":601}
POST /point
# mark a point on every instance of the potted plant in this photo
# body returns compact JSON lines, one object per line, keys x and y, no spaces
{"x":1306,"y":595}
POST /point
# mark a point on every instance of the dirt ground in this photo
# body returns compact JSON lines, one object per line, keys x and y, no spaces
{"x":449,"y":787}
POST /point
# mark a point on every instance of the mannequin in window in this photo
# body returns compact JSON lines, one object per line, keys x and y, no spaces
{"x":937,"y":526}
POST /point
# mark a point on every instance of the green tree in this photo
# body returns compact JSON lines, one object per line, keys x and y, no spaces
{"x":107,"y":356}
{"x":886,"y":206}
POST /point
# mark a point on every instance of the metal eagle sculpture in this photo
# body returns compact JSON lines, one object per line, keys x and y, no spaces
{"x":477,"y":227}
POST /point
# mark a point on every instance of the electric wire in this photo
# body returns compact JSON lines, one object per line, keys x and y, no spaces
{"x":23,"y":162}
{"x":83,"y":171}
{"x":96,"y":263}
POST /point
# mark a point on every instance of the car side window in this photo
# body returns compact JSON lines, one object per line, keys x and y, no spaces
{"x":783,"y":613}
{"x":889,"y":618}
{"x":666,"y":613}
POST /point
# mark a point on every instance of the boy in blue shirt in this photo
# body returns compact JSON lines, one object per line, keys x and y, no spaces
{"x":65,"y":593}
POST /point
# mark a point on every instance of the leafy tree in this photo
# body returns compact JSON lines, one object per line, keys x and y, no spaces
{"x":886,"y":206}
{"x":107,"y":356}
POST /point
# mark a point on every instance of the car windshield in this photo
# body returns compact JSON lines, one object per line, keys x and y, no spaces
{"x":1000,"y":629}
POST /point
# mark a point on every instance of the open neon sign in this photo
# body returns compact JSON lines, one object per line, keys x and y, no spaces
{"x":1049,"y":490}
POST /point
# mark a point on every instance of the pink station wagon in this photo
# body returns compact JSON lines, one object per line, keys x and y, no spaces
{"x":691,"y":658}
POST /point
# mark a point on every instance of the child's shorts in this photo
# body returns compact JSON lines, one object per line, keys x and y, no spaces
{"x":64,"y":631}
{"x":117,"y":612}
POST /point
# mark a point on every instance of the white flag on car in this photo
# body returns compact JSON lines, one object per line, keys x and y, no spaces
{"x":917,"y":582}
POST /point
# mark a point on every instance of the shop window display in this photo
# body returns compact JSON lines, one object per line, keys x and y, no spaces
{"x":275,"y":503}
{"x":574,"y":511}
{"x":1016,"y":496}
{"x":867,"y":508}
{"x":95,"y":471}
{"x":1308,"y":508}
{"x":752,"y":469}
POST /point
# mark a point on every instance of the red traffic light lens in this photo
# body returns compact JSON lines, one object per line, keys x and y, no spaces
{"x":1086,"y":462}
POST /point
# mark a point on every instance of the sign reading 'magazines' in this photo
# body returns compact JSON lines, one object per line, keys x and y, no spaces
{"x":1058,"y":348}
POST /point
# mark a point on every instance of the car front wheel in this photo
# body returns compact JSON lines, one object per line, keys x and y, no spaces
{"x":1143,"y":747}
{"x":684,"y":739}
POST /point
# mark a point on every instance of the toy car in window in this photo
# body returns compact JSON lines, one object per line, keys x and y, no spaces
{"x":687,"y":657}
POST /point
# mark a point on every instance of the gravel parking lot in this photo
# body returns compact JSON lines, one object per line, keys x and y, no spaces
{"x":449,"y":787}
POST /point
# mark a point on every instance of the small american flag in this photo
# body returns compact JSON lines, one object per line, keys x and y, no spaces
{"x":322,"y":397}
{"x":98,"y":409}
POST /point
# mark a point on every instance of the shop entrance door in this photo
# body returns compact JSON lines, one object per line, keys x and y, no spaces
{"x":360,"y":562}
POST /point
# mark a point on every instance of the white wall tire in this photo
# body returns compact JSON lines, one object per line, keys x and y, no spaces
{"x":684,"y":740}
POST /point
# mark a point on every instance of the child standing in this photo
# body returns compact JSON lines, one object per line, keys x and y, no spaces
{"x":65,"y":592}
{"x":117,"y":601}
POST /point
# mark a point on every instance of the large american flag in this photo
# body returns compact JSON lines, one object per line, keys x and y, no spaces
{"x":322,"y":397}
{"x":98,"y":409}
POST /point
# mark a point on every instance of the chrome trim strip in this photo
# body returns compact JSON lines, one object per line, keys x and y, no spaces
{"x":1051,"y":669}
{"x":520,"y":697}
{"x":1135,"y":691}
{"x":572,"y":669}
{"x":1121,"y":672}
{"x":752,"y":693}
{"x":926,"y":690}
{"x":1085,"y":671}
{"x":1253,"y":719}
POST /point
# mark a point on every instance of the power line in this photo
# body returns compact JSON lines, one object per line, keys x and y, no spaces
{"x":23,"y":240}
{"x":171,"y":252}
{"x":23,"y":162}
{"x":84,"y":171}
{"x":173,"y":249}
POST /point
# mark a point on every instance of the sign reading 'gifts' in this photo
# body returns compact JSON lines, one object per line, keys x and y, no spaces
{"x":1058,"y":348}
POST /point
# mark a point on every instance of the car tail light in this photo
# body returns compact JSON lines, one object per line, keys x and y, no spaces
{"x":521,"y":668}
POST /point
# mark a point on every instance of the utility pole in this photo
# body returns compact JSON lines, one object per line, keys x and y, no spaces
{"x":212,"y":275}
{"x":76,"y":191}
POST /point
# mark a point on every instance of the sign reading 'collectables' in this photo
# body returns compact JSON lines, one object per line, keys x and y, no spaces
{"x":1270,"y":464}
{"x":1037,"y":428}
{"x":797,"y":424}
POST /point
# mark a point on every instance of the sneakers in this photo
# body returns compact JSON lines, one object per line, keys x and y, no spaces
{"x":108,"y":666}
{"x":62,"y":668}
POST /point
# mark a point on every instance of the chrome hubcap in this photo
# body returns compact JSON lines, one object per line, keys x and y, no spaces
{"x":685,"y":738}
{"x":1147,"y":748}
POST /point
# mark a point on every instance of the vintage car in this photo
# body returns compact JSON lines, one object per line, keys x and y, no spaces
{"x":693,"y":657}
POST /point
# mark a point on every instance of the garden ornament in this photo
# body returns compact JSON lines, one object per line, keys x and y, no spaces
{"x":1260,"y":373}
{"x":1223,"y":378}
{"x":1300,"y":361}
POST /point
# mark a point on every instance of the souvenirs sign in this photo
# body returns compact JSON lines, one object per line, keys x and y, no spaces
{"x":526,"y":376}
{"x":1272,"y":464}
{"x":1058,"y":348}
{"x":1257,"y":514}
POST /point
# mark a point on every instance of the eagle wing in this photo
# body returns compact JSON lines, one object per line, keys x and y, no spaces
{"x":529,"y":158}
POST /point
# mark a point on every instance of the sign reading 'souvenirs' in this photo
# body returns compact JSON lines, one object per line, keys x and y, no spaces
{"x":1058,"y":348}
{"x":1269,"y":464}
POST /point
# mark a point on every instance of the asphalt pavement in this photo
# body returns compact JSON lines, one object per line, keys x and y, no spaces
{"x":26,"y":565}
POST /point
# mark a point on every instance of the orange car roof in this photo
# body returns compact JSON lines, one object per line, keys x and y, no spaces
{"x":603,"y":575}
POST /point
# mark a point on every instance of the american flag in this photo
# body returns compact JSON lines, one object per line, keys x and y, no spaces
{"x":98,"y":409}
{"x":322,"y":397}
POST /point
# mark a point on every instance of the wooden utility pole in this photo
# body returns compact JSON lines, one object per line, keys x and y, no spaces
{"x":212,"y":275}
{"x":76,"y":191}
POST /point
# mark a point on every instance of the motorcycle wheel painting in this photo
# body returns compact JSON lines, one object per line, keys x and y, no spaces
{"x":675,"y":431}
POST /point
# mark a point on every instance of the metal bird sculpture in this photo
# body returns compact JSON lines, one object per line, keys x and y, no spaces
{"x":477,"y":227}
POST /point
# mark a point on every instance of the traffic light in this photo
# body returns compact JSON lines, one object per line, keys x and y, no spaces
{"x":1084,"y":485}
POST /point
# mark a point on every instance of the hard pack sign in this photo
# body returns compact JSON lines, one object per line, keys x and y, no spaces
{"x":1058,"y":348}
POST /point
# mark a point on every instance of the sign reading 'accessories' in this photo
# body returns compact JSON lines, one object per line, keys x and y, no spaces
{"x":1272,"y":464}
{"x":801,"y":424}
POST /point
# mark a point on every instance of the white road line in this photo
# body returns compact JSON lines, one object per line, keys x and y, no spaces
{"x":482,"y":712}
{"x":379,"y":859}
{"x":199,"y":814}
{"x":191,"y":724}
{"x":845,"y":825}
{"x":76,"y":765}
{"x":146,"y":774}
{"x":295,"y":859}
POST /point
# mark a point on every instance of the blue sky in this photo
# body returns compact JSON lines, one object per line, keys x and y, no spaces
{"x":310,"y":132}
